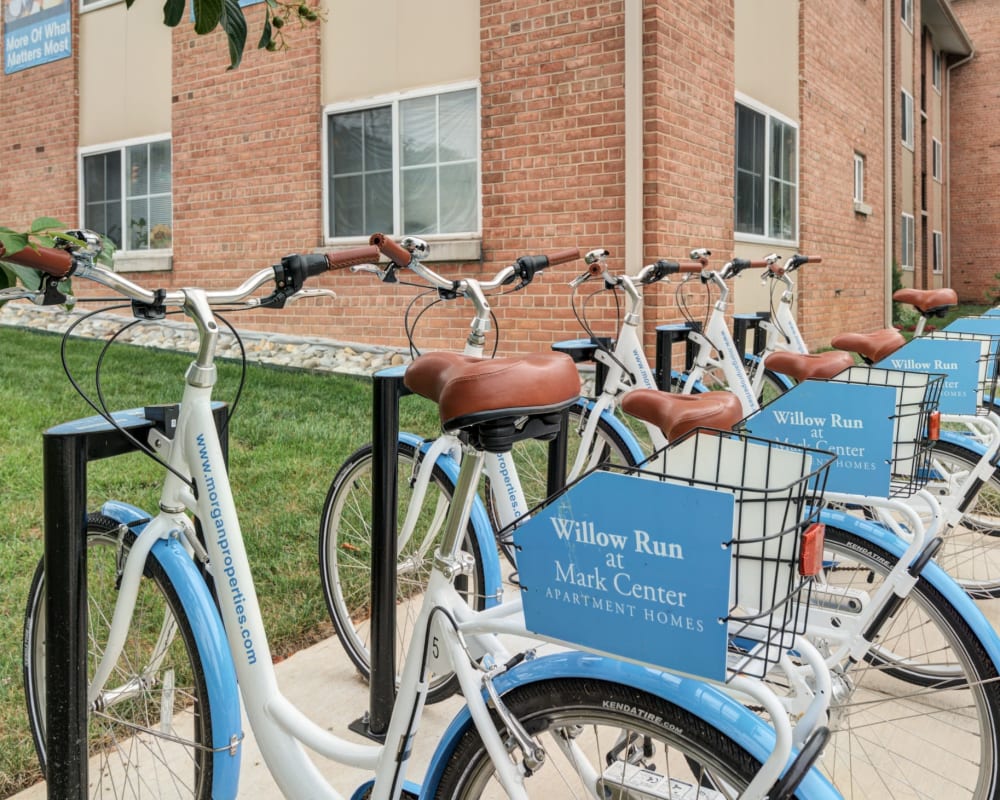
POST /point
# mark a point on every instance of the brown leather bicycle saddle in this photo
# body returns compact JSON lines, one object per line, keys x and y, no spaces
{"x":471,"y":391}
{"x":802,"y":366}
{"x":872,"y":346}
{"x":676,"y":414}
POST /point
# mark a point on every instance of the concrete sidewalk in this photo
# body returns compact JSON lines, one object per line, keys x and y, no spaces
{"x":323,"y":683}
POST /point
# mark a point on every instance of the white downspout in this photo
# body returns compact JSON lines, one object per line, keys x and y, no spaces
{"x":633,"y":137}
{"x":889,"y":110}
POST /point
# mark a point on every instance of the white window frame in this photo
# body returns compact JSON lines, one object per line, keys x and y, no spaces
{"x":937,"y":155}
{"x":906,"y":132}
{"x":937,"y":252}
{"x":446,"y":246}
{"x":906,"y":14}
{"x":769,"y":114}
{"x":85,"y":8}
{"x":149,"y":260}
{"x":936,"y":67}
{"x":907,"y":254}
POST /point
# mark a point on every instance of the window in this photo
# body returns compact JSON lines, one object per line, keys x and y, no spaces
{"x":859,"y":178}
{"x":408,"y":166}
{"x":938,"y":252}
{"x":766,"y":202}
{"x":906,"y":123}
{"x":906,"y":12}
{"x":936,"y":69}
{"x":907,"y":242}
{"x":936,"y":159}
{"x":127,"y":195}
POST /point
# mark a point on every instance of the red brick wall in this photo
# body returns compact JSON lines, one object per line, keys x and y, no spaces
{"x":38,"y":147}
{"x":975,"y":157}
{"x":688,"y":140}
{"x":840,"y":113}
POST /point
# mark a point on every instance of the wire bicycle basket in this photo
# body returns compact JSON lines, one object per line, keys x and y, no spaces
{"x":918,"y":395}
{"x":718,"y":544}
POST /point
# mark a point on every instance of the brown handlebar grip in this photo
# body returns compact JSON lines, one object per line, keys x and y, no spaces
{"x":570,"y":254}
{"x":50,"y":260}
{"x":815,"y":260}
{"x":690,"y":266}
{"x":398,"y":255}
{"x":351,"y":258}
{"x":759,"y":263}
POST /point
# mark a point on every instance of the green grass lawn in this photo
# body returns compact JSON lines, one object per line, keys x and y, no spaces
{"x":290,"y":433}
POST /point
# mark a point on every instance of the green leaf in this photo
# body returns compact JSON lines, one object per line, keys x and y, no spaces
{"x":7,"y":278}
{"x":47,"y":224}
{"x":234,"y":23}
{"x":13,"y":242}
{"x":206,"y":15}
{"x":173,"y":12}
{"x":31,"y":278}
{"x":265,"y":34}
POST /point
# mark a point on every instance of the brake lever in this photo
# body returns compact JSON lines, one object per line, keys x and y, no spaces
{"x":309,"y":294}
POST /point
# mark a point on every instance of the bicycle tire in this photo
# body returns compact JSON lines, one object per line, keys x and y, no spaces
{"x":345,"y":557}
{"x":139,"y":750}
{"x":647,"y":738}
{"x":971,"y":551}
{"x":918,"y":716}
{"x":531,"y":460}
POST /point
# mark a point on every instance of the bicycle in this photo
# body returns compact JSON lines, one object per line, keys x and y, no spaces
{"x":869,"y":573}
{"x":168,"y":692}
{"x":967,"y":482}
{"x":858,"y":549}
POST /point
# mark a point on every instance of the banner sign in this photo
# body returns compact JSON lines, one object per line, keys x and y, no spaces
{"x":851,"y":420}
{"x":633,"y":567}
{"x":35,"y":32}
{"x":960,"y":361}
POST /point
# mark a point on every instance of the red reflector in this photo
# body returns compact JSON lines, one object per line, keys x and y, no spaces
{"x":811,"y":554}
{"x":934,"y":426}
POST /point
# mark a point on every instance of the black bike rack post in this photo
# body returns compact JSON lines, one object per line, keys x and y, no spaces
{"x":67,"y":449}
{"x":666,"y":337}
{"x":387,"y":389}
{"x":743,"y":324}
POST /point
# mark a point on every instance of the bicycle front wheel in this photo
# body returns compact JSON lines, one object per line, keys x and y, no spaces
{"x":918,"y":716}
{"x":971,"y":551}
{"x":605,"y":740}
{"x":345,"y":556}
{"x":150,"y":731}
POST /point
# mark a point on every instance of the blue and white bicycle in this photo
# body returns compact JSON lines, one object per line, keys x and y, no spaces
{"x":177,"y":639}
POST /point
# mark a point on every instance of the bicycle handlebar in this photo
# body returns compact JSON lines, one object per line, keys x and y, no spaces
{"x":524,"y":267}
{"x":288,"y":276}
{"x":50,"y":260}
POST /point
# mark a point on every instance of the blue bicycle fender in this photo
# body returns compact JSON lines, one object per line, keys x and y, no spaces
{"x":786,"y":382}
{"x":701,"y":699}
{"x":932,"y":573}
{"x":210,"y":639}
{"x":964,"y":441}
{"x":681,"y":378}
{"x":635,"y":451}
{"x":493,"y":580}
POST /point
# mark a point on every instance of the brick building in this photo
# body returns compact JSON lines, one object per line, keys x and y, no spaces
{"x":505,"y":127}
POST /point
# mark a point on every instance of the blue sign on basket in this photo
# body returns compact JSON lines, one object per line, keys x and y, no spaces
{"x":632,"y":567}
{"x":851,"y":420}
{"x":984,"y":326}
{"x":957,"y":359}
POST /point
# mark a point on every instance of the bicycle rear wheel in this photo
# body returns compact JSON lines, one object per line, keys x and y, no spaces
{"x":971,"y":551}
{"x":918,"y":716}
{"x":605,"y":740}
{"x":345,"y":556}
{"x":151,"y":730}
